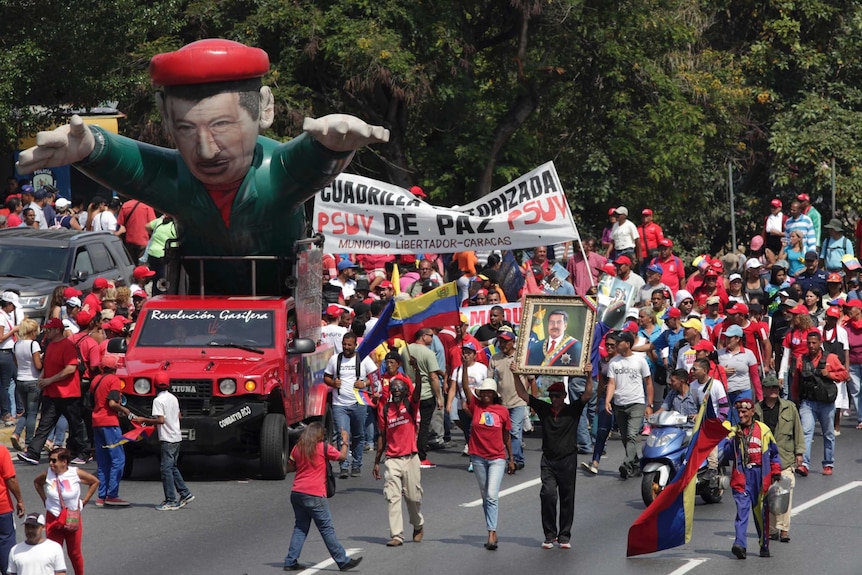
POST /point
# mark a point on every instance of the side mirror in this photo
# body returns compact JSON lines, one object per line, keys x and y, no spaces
{"x":80,"y":276}
{"x":301,"y":345}
{"x":117,"y":345}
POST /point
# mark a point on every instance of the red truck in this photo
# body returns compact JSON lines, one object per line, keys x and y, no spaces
{"x":245,"y":380}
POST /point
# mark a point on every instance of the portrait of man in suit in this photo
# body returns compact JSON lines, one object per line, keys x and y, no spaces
{"x":558,"y":348}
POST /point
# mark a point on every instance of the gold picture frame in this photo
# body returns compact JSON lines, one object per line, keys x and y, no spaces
{"x":570,"y":320}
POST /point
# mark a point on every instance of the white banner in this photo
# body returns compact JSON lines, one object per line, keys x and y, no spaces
{"x":360,"y":215}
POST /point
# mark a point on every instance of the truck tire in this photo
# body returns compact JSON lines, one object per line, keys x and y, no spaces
{"x":274,"y":447}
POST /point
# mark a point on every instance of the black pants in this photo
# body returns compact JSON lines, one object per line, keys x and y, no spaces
{"x":52,"y":409}
{"x":559,"y":476}
{"x":426,"y":412}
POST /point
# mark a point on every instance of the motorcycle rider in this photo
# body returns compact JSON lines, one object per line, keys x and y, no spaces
{"x":681,"y":398}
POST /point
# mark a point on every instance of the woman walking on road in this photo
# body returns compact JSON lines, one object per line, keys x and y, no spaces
{"x":308,"y":497}
{"x":490,"y":447}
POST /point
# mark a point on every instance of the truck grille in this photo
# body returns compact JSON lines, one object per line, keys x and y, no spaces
{"x":195,"y":397}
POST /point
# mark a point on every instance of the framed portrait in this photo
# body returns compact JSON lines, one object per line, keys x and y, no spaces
{"x":556,"y":335}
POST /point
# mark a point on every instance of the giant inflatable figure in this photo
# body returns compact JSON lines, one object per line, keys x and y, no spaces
{"x":232,"y":191}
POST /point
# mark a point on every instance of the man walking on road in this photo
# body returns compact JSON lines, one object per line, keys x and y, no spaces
{"x":397,"y":423}
{"x":559,"y":456}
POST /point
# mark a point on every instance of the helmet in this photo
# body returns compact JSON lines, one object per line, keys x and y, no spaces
{"x":162,"y":381}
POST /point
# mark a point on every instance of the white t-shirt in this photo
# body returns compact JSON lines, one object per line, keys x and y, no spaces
{"x":24,"y":350}
{"x":45,"y":558}
{"x":331,"y":335}
{"x":348,"y":288}
{"x":628,"y":374}
{"x":624,"y":236}
{"x":740,"y":362}
{"x":166,"y":405}
{"x":346,"y":395}
{"x":70,"y":324}
{"x":8,"y":323}
{"x":70,"y":486}
{"x":105,"y":222}
{"x":716,"y":394}
{"x":475,"y":374}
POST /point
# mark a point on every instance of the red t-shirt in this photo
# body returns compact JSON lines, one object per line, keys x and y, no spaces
{"x":58,"y":355}
{"x":311,"y":475}
{"x":94,"y":303}
{"x":223,"y":197}
{"x":796,"y":341}
{"x":106,"y":387}
{"x":90,"y":350}
{"x":7,"y":471}
{"x":13,"y":221}
{"x":486,"y":434}
{"x":135,"y":216}
{"x":401,"y":425}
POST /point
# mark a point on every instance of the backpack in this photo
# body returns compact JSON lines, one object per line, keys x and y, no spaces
{"x":89,"y":398}
{"x":814,"y":385}
{"x":338,"y":366}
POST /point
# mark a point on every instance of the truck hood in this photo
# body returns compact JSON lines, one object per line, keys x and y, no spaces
{"x":210,"y":367}
{"x":29,"y":286}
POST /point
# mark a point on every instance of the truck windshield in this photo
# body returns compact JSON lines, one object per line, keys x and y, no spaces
{"x":40,"y":262}
{"x":204,"y":327}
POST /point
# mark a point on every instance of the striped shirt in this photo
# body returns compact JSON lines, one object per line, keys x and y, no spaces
{"x":803,"y":224}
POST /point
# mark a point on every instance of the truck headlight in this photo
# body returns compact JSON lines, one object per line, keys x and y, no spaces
{"x":37,"y":302}
{"x":227,"y":386}
{"x":142,"y":386}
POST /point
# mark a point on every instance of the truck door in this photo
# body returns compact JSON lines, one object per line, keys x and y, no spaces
{"x":294,"y":408}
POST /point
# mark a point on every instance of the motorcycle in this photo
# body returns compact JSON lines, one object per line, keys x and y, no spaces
{"x":663,"y":456}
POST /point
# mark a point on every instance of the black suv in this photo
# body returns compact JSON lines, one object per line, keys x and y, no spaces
{"x":35,"y":262}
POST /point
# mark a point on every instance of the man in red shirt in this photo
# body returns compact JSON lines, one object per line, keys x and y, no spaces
{"x":110,"y":457}
{"x":134,"y":215}
{"x":8,"y":487}
{"x":651,"y":236}
{"x":93,"y":301}
{"x":674,"y":269}
{"x":61,"y":395}
{"x":397,"y":421}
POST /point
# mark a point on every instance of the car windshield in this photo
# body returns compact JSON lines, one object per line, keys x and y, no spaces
{"x":204,"y":327}
{"x":40,"y":262}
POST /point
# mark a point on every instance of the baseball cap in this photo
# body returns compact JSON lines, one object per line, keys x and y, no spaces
{"x":117,"y":323}
{"x":646,"y":212}
{"x":140,"y":293}
{"x":734,"y":277}
{"x":655,"y":268}
{"x":803,"y":198}
{"x":713,"y":300}
{"x":334,"y":311}
{"x":672,"y":312}
{"x":776,"y":203}
{"x":73,"y":302}
{"x":622,"y":210}
{"x":833,"y":311}
{"x":810,"y":256}
{"x":385,"y":284}
{"x":40,"y":194}
{"x":666,"y":243}
{"x":609,"y":269}
{"x":34,"y":519}
{"x":143,"y":272}
{"x":710,"y":273}
{"x":834,"y":278}
{"x":83,"y":318}
{"x":27,"y":189}
{"x":110,"y":360}
{"x":72,"y":292}
{"x":693,"y":323}
{"x":418,"y":192}
{"x":850,"y":262}
{"x":100,"y":283}
{"x":704,"y":345}
{"x":469,"y":345}
{"x":344,"y":264}
{"x":770,"y":380}
{"x":733,"y":331}
{"x":753,"y":263}
{"x":623,"y":260}
{"x":852,"y":303}
{"x":506,"y":334}
{"x":737,"y":308}
{"x":10,"y":297}
{"x":428,"y":285}
{"x":62,"y":203}
{"x":557,"y":387}
{"x":612,"y":212}
{"x":799,"y":309}
{"x":756,"y":243}
{"x":53,"y":323}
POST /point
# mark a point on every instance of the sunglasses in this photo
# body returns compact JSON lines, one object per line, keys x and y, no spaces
{"x":53,"y":460}
{"x":555,"y":394}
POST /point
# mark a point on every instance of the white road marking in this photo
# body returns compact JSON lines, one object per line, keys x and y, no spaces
{"x":828,"y":495}
{"x":689,"y":565}
{"x":328,"y":562}
{"x":509,"y":491}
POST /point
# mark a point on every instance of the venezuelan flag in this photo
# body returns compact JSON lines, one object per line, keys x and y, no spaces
{"x":437,"y":308}
{"x":385,"y":328}
{"x":667,"y":522}
{"x":138,"y":433}
{"x":363,"y":397}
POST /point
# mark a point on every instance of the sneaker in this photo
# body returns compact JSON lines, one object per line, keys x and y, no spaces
{"x":115,"y":502}
{"x":355,"y":472}
{"x":548,"y":544}
{"x":350,"y":564}
{"x":168,"y":506}
{"x":738,"y":551}
{"x":16,"y":442}
{"x":764,"y":552}
{"x":425,"y":464}
{"x":624,"y":472}
{"x":344,"y":474}
{"x":590,"y":467}
{"x":470,"y":467}
{"x":837,"y":432}
{"x":827,"y":471}
{"x":296,"y":567}
{"x":565,"y":545}
{"x":646,"y":430}
{"x":100,"y":502}
{"x":466,"y":451}
{"x":519,"y":466}
{"x":81,"y":460}
{"x":802,"y":471}
{"x":25,"y":456}
{"x":186,"y":500}
{"x":368,"y":447}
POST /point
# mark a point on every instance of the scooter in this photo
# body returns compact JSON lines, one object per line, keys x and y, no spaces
{"x":663,"y":457}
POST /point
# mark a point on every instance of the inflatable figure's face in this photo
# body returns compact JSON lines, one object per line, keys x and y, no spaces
{"x":215,"y":136}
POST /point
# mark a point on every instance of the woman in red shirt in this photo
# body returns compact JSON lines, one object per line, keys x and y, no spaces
{"x":490,"y":447}
{"x":308,"y":496}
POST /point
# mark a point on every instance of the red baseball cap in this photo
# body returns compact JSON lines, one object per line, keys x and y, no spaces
{"x":833,"y":311}
{"x":803,"y":198}
{"x":776,"y":203}
{"x":623,"y":260}
{"x":704,"y":345}
{"x":207,"y":61}
{"x":417,"y":191}
{"x":834,"y":278}
{"x":143,"y":272}
{"x":71,"y":292}
{"x":334,"y":311}
{"x":739,"y":308}
{"x":646,"y":212}
{"x":666,"y":243}
{"x":140,"y":293}
{"x":100,"y":283}
{"x":612,"y":212}
{"x":83,"y":318}
{"x":53,"y":323}
{"x":850,"y":303}
{"x":800,"y":309}
{"x":609,"y":269}
{"x":672,"y":312}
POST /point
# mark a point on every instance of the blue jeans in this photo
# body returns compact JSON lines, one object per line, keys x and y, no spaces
{"x":585,"y":424}
{"x":489,"y":473}
{"x":30,"y":394}
{"x":854,"y":389}
{"x":370,"y":425}
{"x":516,"y":414}
{"x":824,"y":413}
{"x":605,"y":422}
{"x":352,"y":419}
{"x":7,"y":536}
{"x":58,"y":435}
{"x":110,"y":461}
{"x":305,"y":508}
{"x":7,"y":373}
{"x":172,"y":479}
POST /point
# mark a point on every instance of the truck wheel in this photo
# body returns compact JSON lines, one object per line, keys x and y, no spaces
{"x":274,"y":447}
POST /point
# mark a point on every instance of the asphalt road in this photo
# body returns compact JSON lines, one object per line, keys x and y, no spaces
{"x":241,"y":525}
